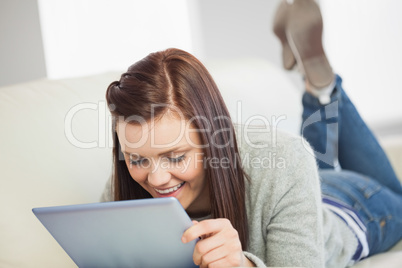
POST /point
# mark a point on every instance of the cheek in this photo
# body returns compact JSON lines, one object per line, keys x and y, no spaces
{"x":138,"y":174}
{"x":193,"y":173}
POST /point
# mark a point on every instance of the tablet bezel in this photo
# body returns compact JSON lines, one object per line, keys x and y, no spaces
{"x":131,"y":233}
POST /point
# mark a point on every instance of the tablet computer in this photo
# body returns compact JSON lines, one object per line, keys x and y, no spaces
{"x":133,"y":233}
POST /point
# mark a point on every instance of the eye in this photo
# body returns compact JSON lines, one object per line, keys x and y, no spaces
{"x":177,"y":159}
{"x":137,"y":162}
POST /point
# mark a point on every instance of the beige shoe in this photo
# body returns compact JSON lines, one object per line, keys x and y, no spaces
{"x":304,"y":34}
{"x":280,"y":24}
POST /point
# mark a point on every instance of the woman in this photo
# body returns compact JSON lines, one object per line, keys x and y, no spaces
{"x":173,"y":136}
{"x":173,"y":91}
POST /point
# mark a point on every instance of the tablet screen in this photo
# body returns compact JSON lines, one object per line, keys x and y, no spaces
{"x":133,"y":233}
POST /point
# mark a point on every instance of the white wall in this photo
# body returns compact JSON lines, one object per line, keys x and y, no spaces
{"x":363,"y":41}
{"x":361,"y":37}
{"x":21,"y":48}
{"x":83,"y":37}
{"x":237,"y":28}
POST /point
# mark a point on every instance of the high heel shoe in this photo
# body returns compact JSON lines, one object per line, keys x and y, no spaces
{"x":304,"y":34}
{"x":280,"y":24}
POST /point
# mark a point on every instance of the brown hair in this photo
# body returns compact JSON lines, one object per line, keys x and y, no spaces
{"x":175,"y":77}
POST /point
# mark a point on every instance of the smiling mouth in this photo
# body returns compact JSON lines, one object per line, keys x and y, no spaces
{"x":169,"y":190}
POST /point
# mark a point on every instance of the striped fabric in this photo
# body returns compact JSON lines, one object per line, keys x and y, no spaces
{"x":350,"y":217}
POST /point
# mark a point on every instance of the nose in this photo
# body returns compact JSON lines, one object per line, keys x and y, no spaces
{"x":158,"y":176}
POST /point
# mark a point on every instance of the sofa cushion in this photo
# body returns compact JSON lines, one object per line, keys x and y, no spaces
{"x":43,"y":162}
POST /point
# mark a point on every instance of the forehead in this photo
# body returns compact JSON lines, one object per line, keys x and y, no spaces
{"x":162,"y":133}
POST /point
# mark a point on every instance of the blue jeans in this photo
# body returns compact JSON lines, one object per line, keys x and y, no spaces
{"x":353,"y":167}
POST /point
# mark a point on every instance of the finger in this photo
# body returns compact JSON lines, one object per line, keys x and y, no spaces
{"x":204,"y":246}
{"x":204,"y":259}
{"x":221,"y":257}
{"x":182,"y":237}
{"x":219,"y":245}
{"x":205,"y":227}
{"x":224,"y":262}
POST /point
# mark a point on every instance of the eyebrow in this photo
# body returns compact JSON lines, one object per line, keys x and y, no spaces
{"x":162,"y":153}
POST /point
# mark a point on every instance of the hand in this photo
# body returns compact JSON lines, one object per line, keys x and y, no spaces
{"x":219,"y":245}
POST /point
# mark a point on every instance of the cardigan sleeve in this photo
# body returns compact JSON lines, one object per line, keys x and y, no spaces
{"x":284,"y":204}
{"x":107,"y":194}
{"x":294,"y":231}
{"x":257,"y":261}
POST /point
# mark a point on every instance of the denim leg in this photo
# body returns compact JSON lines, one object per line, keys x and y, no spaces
{"x":359,"y":150}
{"x":338,"y":133}
{"x":320,"y":128}
{"x":379,"y":208}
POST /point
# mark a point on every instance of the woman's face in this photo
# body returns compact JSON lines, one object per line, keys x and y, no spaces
{"x":165,"y":157}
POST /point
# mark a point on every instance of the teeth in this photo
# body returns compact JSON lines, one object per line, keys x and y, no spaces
{"x":170,"y":190}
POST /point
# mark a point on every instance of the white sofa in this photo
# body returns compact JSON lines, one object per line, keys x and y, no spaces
{"x":55,"y":149}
